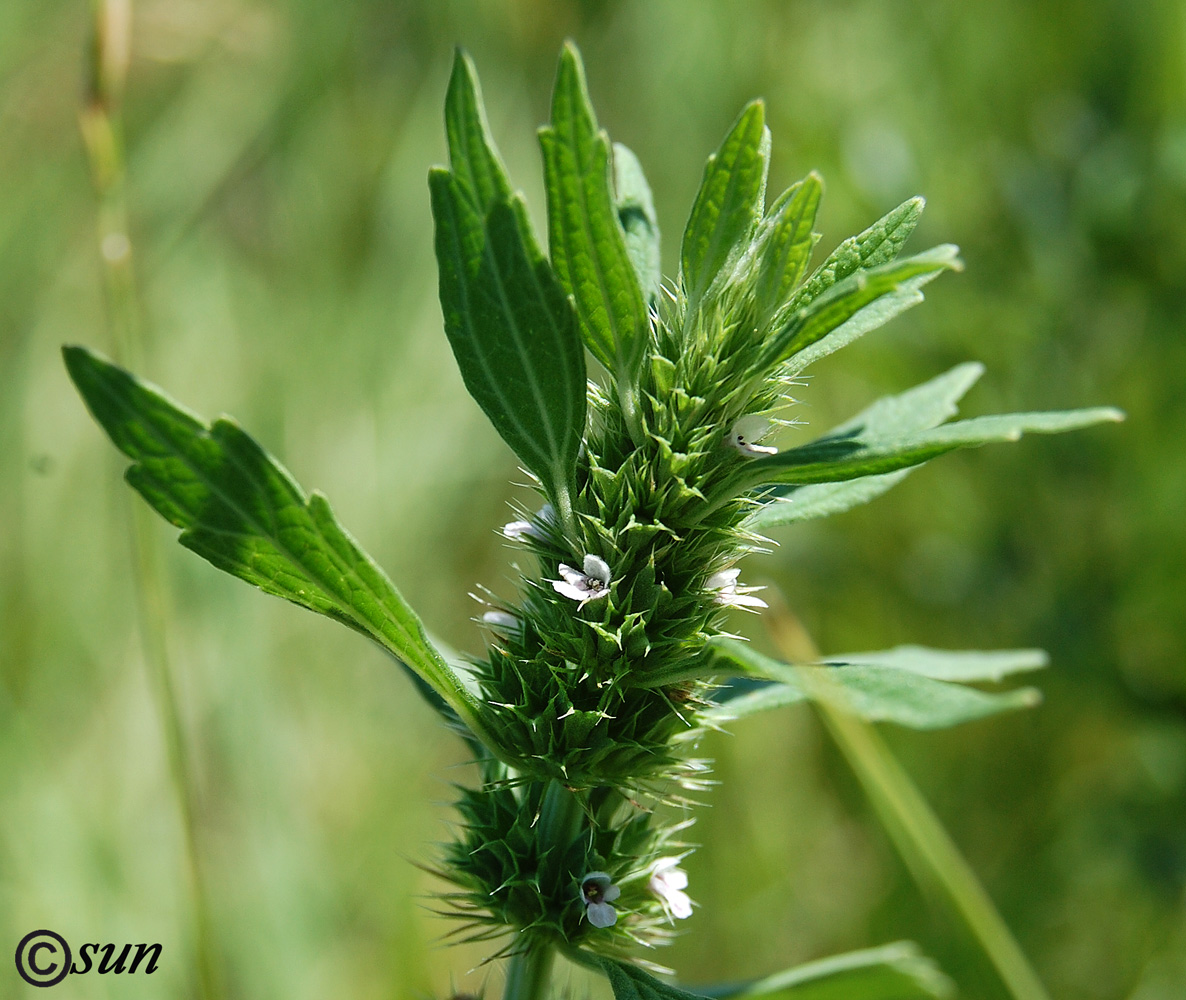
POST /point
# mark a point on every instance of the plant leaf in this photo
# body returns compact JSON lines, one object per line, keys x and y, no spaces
{"x":786,"y":245}
{"x":879,"y":244}
{"x":856,"y":300}
{"x":897,"y":971}
{"x":863,"y":452}
{"x":512,"y":331}
{"x":920,"y":408}
{"x":636,"y":213}
{"x":962,"y":666}
{"x":875,"y":693}
{"x":241,"y":510}
{"x":629,"y":982}
{"x":472,"y":153}
{"x":728,"y":205}
{"x":588,"y":246}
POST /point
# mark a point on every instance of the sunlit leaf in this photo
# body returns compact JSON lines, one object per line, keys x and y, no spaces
{"x":241,"y":510}
{"x":586,"y":239}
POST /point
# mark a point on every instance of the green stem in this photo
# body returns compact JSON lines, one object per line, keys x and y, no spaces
{"x":100,"y":125}
{"x":529,"y":974}
{"x":916,"y":831}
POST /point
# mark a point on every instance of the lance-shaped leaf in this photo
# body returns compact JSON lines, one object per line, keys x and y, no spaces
{"x":879,"y":244}
{"x":923,"y":407}
{"x":874,"y":692}
{"x":512,"y":331}
{"x":588,"y":245}
{"x":784,"y":247}
{"x":640,"y":223}
{"x":728,"y":205}
{"x":862,"y":451}
{"x":241,"y":510}
{"x":857,"y":300}
{"x":472,"y":153}
{"x":965,"y":666}
{"x":898,"y":971}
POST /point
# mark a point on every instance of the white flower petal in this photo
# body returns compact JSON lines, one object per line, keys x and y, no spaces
{"x":679,"y":904}
{"x":597,"y":568}
{"x":500,"y":619}
{"x":517,"y":529}
{"x":726,"y":579}
{"x":573,"y":576}
{"x":571,"y":591}
{"x":601,"y":914}
{"x":611,"y":893}
{"x":747,"y":432}
{"x":742,"y":601}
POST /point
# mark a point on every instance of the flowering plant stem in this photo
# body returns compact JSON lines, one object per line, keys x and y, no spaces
{"x":529,"y":974}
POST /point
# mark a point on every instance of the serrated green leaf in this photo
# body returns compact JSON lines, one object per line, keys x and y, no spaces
{"x":920,"y":408}
{"x":241,"y":510}
{"x":473,"y":156}
{"x":640,"y":223}
{"x":587,"y":243}
{"x":856,"y":300}
{"x":897,"y":971}
{"x":863,"y":452}
{"x":512,"y":331}
{"x":963,"y":666}
{"x":874,"y":693}
{"x":629,"y":982}
{"x":786,"y":245}
{"x":728,"y":204}
{"x":879,"y":244}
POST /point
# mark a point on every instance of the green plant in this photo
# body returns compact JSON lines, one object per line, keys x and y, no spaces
{"x":655,"y":479}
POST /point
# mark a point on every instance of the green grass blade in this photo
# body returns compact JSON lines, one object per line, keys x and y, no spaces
{"x":241,"y":510}
{"x":728,"y":204}
{"x":588,"y":246}
{"x":897,"y":971}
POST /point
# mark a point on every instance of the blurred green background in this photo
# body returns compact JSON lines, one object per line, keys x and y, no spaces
{"x":277,"y":154}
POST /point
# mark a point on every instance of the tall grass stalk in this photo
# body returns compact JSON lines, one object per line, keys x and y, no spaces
{"x":919,"y":835}
{"x":100,"y":122}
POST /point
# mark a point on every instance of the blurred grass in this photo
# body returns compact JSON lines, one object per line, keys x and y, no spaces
{"x":277,"y":155}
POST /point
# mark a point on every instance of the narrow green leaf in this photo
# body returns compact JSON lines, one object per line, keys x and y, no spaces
{"x":587,"y":242}
{"x":860,"y":453}
{"x":629,"y":982}
{"x":961,"y":666}
{"x":512,"y":331}
{"x":786,"y":246}
{"x":874,"y":693}
{"x":816,"y":500}
{"x":855,"y":300}
{"x":472,"y":153}
{"x":897,"y":971}
{"x":241,"y":510}
{"x":640,"y":223}
{"x":728,"y":205}
{"x":923,"y":407}
{"x":879,"y":244}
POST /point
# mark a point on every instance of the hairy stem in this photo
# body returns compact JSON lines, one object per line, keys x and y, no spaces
{"x":529,"y":974}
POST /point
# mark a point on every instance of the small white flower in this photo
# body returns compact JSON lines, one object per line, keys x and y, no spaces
{"x":729,"y":594}
{"x":668,"y":882}
{"x":591,"y":585}
{"x":597,"y":893}
{"x":747,"y":432}
{"x":515,"y":530}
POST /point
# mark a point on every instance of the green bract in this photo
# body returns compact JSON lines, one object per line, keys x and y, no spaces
{"x":654,"y":481}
